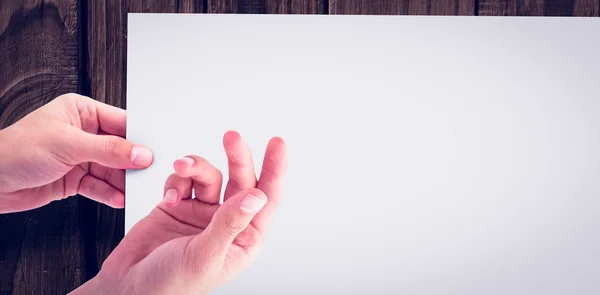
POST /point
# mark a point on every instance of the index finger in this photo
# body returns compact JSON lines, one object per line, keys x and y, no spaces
{"x":271,"y":181}
{"x":110,"y":119}
{"x":239,"y":163}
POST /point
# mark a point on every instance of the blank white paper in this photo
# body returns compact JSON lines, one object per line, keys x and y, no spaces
{"x":428,"y":155}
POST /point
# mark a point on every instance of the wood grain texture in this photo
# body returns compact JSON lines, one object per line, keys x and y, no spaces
{"x":403,"y":7}
{"x":237,"y":6}
{"x":297,"y":7}
{"x":41,"y":251}
{"x":586,"y":8}
{"x":268,"y":6}
{"x":511,"y":7}
{"x":538,"y":7}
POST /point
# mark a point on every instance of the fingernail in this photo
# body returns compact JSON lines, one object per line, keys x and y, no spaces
{"x":170,"y":196}
{"x":251,"y":203}
{"x":141,"y":156}
{"x":188,"y":161}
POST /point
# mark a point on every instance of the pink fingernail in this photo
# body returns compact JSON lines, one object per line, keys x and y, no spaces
{"x":141,"y":156}
{"x":188,"y":161}
{"x":251,"y":203}
{"x":170,"y":196}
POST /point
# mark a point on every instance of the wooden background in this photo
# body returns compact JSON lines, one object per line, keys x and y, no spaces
{"x":52,"y":47}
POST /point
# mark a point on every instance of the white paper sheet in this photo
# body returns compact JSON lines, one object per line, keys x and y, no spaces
{"x":428,"y":155}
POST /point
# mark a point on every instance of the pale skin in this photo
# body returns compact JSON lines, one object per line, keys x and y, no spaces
{"x":189,"y":244}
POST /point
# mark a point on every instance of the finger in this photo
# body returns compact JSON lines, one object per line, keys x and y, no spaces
{"x":207,"y":179}
{"x":229,"y":221}
{"x":100,"y":191}
{"x":240,"y":164}
{"x":176,"y":189}
{"x":114,"y":177}
{"x":194,"y":213}
{"x":271,"y":181}
{"x":110,"y":119}
{"x":107,"y":150}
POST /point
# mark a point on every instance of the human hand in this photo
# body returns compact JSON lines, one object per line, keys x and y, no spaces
{"x":193,"y":245}
{"x":72,"y":145}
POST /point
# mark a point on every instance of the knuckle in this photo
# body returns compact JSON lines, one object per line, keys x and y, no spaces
{"x":87,"y":111}
{"x":68,"y":97}
{"x":110,"y":145}
{"x":232,"y":226}
{"x":249,"y":239}
{"x":199,"y":160}
{"x":65,"y":97}
{"x":269,"y":169}
{"x":239,"y":159}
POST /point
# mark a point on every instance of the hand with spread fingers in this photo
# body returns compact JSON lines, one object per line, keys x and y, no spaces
{"x":72,"y":145}
{"x":190,"y":244}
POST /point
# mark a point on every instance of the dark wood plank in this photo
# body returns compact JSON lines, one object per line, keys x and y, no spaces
{"x":106,"y":72}
{"x":511,"y":7}
{"x":587,"y":8}
{"x":41,"y":251}
{"x":571,"y":8}
{"x":378,"y":7}
{"x":268,"y":6}
{"x":152,"y":6}
{"x":403,"y":7}
{"x":190,"y":6}
{"x":538,"y":7}
{"x":297,"y":7}
{"x":237,"y":6}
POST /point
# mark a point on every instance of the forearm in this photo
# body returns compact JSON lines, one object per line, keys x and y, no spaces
{"x":8,"y":157}
{"x":4,"y":146}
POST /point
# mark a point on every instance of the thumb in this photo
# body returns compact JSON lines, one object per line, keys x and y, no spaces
{"x":231,"y":219}
{"x":111,"y":151}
